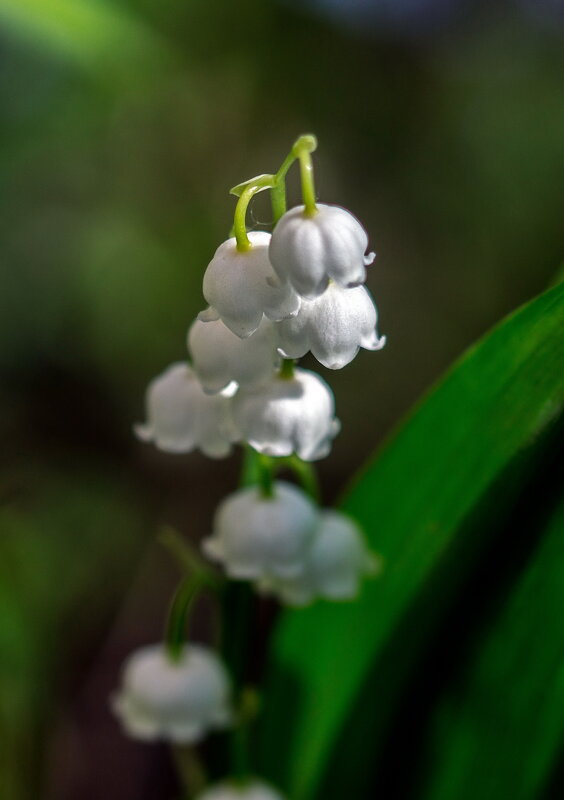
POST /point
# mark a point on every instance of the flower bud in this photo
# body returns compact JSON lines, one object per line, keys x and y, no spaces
{"x":242,"y":286}
{"x":178,"y":701}
{"x":288,"y":415}
{"x":334,"y":326}
{"x":257,"y":537}
{"x":220,"y":357}
{"x":254,"y":790}
{"x":337,"y":561}
{"x":181,"y":417}
{"x":310,"y":250}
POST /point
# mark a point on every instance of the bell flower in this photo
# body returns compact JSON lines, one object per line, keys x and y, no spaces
{"x":178,"y":701}
{"x":242,"y":286}
{"x":256,"y":536}
{"x":220,"y":357}
{"x":181,"y":417}
{"x":253,"y":790}
{"x":337,"y":561}
{"x":310,"y":250}
{"x":333,"y":326}
{"x":288,"y":415}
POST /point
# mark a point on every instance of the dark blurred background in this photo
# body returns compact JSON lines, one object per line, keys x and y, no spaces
{"x":124,"y":124}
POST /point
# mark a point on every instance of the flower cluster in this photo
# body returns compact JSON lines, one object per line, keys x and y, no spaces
{"x":277,"y":296}
{"x":288,"y":547}
{"x":272,"y":298}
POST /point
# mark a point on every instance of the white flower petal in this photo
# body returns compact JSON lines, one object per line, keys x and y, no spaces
{"x":258,"y":537}
{"x":178,"y":701}
{"x":337,"y":561}
{"x":181,"y":417}
{"x":242,"y":286}
{"x":310,"y":250}
{"x":333,"y":326}
{"x":254,"y":790}
{"x":220,"y":357}
{"x":285,"y":416}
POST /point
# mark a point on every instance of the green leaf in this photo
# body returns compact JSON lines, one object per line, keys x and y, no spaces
{"x":423,"y":504}
{"x":500,"y":726}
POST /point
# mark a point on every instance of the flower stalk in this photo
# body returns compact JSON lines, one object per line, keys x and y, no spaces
{"x":177,"y":619}
{"x":270,"y":295}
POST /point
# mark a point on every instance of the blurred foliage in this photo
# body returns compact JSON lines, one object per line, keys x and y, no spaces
{"x":424,"y":504}
{"x":60,"y":534}
{"x":124,"y":123}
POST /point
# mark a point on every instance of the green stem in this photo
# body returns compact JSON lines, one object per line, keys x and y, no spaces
{"x":305,"y":473}
{"x":182,"y":601}
{"x":290,"y":158}
{"x":239,"y":223}
{"x":246,"y":192}
{"x":249,"y":704}
{"x":286,"y":372}
{"x":278,"y":200}
{"x":302,"y":149}
{"x":266,"y":475}
{"x":308,"y":186}
{"x":190,"y":770}
{"x":240,"y":753}
{"x":188,"y":558}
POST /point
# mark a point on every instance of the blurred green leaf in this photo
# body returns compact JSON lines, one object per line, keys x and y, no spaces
{"x":106,"y":40}
{"x":499,"y":729}
{"x":415,"y":501}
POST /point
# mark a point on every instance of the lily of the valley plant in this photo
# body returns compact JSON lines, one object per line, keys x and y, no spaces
{"x":271,"y":298}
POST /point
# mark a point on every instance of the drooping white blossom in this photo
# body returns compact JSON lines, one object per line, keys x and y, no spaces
{"x":337,"y":561}
{"x":178,"y":701}
{"x":288,"y":415}
{"x":254,"y":790}
{"x":333,"y":326}
{"x":242,"y":286}
{"x":181,"y":417}
{"x":309,"y":250}
{"x":257,"y":537}
{"x":220,"y":357}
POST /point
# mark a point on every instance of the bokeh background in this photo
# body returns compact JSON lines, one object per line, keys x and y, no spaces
{"x":124,"y":123}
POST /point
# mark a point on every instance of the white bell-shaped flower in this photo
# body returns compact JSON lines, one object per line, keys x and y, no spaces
{"x":178,"y":701}
{"x":257,"y":537}
{"x":310,"y":250}
{"x":333,"y":326}
{"x":181,"y":417}
{"x":336,"y":563}
{"x":253,"y":790}
{"x":288,"y":415}
{"x":242,"y":286}
{"x":220,"y":357}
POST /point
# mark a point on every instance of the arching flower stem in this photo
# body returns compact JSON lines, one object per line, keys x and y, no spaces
{"x":301,"y":151}
{"x":246,"y":191}
{"x":188,"y":558}
{"x":181,"y":604}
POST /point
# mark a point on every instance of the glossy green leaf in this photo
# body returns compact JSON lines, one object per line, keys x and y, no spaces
{"x":499,"y":728}
{"x":419,"y":502}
